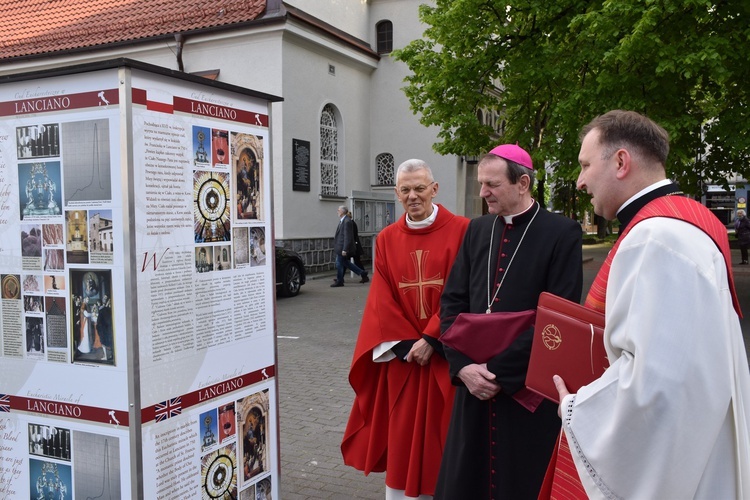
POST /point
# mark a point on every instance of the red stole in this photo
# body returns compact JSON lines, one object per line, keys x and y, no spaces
{"x":562,"y":481}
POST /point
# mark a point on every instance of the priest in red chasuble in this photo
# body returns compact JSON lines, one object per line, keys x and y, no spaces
{"x":403,"y":392}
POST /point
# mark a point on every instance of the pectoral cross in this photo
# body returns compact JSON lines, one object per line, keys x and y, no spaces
{"x":419,"y":258}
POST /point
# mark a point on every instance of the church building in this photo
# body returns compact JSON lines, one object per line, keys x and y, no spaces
{"x":344,"y":124}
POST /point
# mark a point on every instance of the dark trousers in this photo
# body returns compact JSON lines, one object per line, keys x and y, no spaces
{"x":341,"y":264}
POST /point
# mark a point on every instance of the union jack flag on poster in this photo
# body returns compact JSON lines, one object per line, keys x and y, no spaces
{"x":4,"y":403}
{"x":167,"y":409}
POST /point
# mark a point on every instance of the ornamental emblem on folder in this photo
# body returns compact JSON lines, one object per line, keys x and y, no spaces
{"x":551,"y":337}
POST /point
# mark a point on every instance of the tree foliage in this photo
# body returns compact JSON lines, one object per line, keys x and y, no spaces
{"x":550,"y":67}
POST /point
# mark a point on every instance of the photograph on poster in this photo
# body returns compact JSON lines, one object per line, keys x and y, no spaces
{"x":96,"y":466}
{"x":48,"y":441}
{"x":52,"y":235}
{"x":263,"y":489}
{"x":31,"y":283}
{"x":38,"y":141}
{"x":54,"y":283}
{"x":227,"y":422}
{"x":241,"y":247}
{"x":247,"y":154}
{"x":57,"y":332}
{"x":219,"y":473}
{"x":54,"y":259}
{"x":11,"y":284}
{"x":223,"y":255}
{"x":248,"y":493}
{"x":31,"y":240}
{"x":34,"y":336}
{"x":91,"y":316}
{"x":220,"y":147}
{"x":39,"y":189}
{"x":209,"y":424}
{"x":204,"y":259}
{"x":33,"y":304}
{"x":76,"y":244}
{"x":211,"y":214}
{"x":201,"y":140}
{"x":49,"y":480}
{"x":100,"y":231}
{"x":257,"y":246}
{"x":85,"y":154}
{"x":252,"y":417}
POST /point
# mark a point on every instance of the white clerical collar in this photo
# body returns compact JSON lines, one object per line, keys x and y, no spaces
{"x":421,"y":224}
{"x":509,"y":218}
{"x":655,"y":185}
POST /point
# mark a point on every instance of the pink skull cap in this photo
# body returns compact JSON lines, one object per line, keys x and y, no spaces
{"x":514,"y":153}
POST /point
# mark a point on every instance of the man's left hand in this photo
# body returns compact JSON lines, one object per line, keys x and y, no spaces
{"x":420,"y":352}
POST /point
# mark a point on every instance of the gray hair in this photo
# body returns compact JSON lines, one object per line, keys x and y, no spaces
{"x":412,"y":166}
{"x":343,"y":208}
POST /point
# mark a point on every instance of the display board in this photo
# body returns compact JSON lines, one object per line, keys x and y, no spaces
{"x":137,"y":342}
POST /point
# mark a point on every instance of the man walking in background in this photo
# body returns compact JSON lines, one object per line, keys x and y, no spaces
{"x":344,"y":248}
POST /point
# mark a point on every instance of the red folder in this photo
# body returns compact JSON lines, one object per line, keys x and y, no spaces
{"x":568,"y":341}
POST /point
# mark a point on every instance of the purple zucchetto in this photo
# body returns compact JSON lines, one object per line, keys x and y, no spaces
{"x":514,"y":153}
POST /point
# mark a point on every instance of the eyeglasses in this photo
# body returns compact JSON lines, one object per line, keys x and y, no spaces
{"x":404,"y":190}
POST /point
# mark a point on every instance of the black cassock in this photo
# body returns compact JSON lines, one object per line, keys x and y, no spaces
{"x":497,"y":448}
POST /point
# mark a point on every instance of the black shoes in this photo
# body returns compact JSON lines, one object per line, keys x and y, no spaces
{"x":365,"y":278}
{"x":743,"y":263}
{"x":336,"y":284}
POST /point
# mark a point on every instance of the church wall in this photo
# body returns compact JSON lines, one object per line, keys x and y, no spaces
{"x":304,"y":213}
{"x":292,"y":61}
{"x":347,"y":15}
{"x":395,"y":128}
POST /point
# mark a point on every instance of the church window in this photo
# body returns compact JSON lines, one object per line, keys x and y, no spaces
{"x":329,"y":152}
{"x":385,"y":37}
{"x":384,"y":164}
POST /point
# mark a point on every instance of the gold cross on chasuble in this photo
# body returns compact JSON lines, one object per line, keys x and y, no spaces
{"x":419,"y":258}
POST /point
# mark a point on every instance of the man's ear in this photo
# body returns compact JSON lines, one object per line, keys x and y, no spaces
{"x":524,"y":183}
{"x":624,"y":163}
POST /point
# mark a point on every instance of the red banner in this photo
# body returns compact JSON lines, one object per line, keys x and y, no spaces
{"x":174,"y":406}
{"x":62,"y":102}
{"x":69,"y":410}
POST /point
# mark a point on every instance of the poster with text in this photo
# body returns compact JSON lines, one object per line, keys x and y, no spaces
{"x":205,"y":289}
{"x":64,"y":405}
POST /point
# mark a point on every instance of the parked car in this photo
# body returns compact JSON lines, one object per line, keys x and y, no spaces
{"x":290,"y":272}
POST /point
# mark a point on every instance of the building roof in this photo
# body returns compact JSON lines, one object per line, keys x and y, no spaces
{"x":45,"y":27}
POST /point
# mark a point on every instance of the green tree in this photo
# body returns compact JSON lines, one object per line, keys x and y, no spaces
{"x":549,"y":67}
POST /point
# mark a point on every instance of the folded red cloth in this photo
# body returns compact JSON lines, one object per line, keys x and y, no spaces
{"x":483,"y":336}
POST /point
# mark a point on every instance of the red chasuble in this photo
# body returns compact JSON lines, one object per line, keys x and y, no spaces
{"x":561,"y":481}
{"x":401,"y":410}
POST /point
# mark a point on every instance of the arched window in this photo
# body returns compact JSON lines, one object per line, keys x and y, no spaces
{"x":385,"y":37}
{"x":329,"y":152}
{"x":385,"y":167}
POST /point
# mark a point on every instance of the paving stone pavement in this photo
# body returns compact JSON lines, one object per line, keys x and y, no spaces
{"x":316,"y":332}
